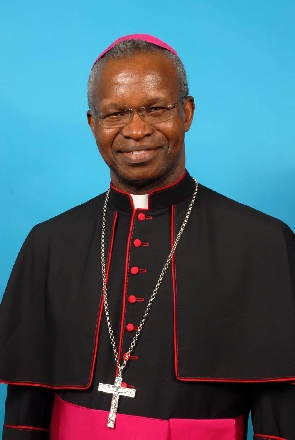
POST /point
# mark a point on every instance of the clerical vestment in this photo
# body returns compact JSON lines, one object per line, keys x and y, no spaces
{"x":218,"y":342}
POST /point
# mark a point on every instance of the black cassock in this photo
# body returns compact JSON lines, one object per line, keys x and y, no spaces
{"x":218,"y":343}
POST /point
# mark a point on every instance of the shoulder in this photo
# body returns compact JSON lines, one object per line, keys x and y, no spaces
{"x":237,"y":216}
{"x":66,"y":237}
{"x":76,"y":221}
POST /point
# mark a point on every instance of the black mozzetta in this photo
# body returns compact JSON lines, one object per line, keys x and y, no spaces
{"x":230,"y":288}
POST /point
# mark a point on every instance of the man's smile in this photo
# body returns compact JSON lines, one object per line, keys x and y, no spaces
{"x":140,"y":155}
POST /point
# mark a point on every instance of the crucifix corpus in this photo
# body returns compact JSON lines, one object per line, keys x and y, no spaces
{"x":116,"y":390}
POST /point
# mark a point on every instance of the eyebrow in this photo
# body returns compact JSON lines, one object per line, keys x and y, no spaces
{"x":148,"y":103}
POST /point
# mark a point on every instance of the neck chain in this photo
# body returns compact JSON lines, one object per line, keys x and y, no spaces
{"x":116,"y":389}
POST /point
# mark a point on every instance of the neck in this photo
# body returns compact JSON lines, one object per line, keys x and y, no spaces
{"x":146,"y":187}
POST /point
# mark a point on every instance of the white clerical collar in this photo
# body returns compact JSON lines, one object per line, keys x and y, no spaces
{"x":140,"y":201}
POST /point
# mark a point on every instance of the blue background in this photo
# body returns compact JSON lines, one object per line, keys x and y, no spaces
{"x":241,"y":67}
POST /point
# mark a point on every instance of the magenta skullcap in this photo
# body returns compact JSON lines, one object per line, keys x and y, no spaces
{"x":143,"y":37}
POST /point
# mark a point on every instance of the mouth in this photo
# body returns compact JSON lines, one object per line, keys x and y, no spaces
{"x":138,"y":156}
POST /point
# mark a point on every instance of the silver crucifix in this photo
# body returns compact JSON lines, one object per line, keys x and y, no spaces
{"x":116,"y":390}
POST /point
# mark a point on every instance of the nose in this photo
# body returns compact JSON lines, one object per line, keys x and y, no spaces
{"x":137,"y":128}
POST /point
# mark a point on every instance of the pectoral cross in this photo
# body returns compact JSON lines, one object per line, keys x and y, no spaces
{"x":116,"y":390}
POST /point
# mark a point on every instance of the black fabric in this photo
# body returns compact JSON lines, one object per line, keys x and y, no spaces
{"x":235,"y":270}
{"x":239,"y":287}
{"x":273,"y":410}
{"x":27,"y":408}
{"x":49,"y":310}
{"x":158,"y":391}
{"x":38,"y":400}
{"x":157,"y":199}
{"x":24,"y":434}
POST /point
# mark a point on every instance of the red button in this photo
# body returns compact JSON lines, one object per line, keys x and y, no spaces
{"x":124,"y":385}
{"x":132,"y":299}
{"x":130,"y":327}
{"x":134,"y":270}
{"x":141,"y":216}
{"x":137,"y":242}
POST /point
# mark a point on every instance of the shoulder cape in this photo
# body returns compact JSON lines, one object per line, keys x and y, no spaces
{"x":234,"y":314}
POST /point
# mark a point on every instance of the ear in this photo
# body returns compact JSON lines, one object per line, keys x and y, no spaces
{"x":90,"y":120}
{"x":188,"y":110}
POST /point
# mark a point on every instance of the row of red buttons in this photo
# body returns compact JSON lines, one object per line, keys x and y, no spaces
{"x":132,"y":298}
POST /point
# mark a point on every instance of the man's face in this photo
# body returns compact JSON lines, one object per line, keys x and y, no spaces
{"x":141,"y":156}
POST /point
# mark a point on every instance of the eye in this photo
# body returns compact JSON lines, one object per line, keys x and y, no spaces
{"x":156,"y":111}
{"x":116,"y":115}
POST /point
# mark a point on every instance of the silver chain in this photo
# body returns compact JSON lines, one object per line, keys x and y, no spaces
{"x":155,"y":291}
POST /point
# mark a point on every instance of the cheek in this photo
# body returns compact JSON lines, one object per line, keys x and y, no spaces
{"x":104,"y":140}
{"x":175,"y":130}
{"x":175,"y":137}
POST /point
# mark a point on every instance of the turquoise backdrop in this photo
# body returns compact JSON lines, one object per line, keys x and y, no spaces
{"x":241,"y":67}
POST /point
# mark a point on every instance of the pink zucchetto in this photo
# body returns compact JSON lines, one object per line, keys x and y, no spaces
{"x":144,"y":37}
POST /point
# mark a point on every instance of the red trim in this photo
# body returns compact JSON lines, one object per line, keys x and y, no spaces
{"x":127,"y":261}
{"x":111,"y":244}
{"x":183,"y":379}
{"x":130,"y":198}
{"x":45,"y":385}
{"x":233,"y":380}
{"x":175,"y":339}
{"x":123,"y":192}
{"x":174,"y":289}
{"x":266,"y":437}
{"x":101,"y":301}
{"x":30,"y":428}
{"x":96,"y":334}
{"x":100,"y":312}
{"x":162,"y":188}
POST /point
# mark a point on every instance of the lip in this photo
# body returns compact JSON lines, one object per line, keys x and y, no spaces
{"x":139,"y":155}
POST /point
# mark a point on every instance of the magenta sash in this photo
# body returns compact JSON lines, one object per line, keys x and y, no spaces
{"x":72,"y":422}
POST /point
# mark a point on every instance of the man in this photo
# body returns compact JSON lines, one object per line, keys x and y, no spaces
{"x":160,"y":310}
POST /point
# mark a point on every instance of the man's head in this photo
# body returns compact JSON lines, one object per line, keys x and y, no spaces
{"x":144,"y":148}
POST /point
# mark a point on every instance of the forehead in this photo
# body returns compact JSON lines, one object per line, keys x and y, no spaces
{"x":140,"y":77}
